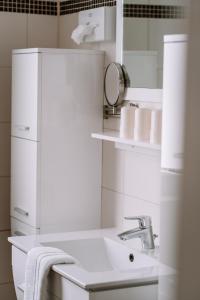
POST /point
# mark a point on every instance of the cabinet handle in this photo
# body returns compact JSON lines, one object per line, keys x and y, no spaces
{"x":22,"y":127}
{"x":21,"y":211}
{"x":19,"y":233}
{"x":21,"y":287}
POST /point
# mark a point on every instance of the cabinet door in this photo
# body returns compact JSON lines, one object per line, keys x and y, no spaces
{"x":174,"y":104}
{"x":72,"y":99}
{"x":24,"y":178}
{"x":26,"y":95}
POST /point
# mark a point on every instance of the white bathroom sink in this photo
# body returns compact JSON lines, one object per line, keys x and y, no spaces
{"x":103,"y":260}
{"x":103,"y":254}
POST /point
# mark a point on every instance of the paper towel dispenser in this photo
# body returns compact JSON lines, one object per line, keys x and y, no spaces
{"x":96,"y":25}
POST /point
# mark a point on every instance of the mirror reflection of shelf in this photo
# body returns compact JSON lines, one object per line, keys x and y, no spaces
{"x":143,"y":95}
{"x":113,"y":136}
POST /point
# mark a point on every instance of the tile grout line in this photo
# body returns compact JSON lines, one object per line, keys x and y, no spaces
{"x":130,"y":196}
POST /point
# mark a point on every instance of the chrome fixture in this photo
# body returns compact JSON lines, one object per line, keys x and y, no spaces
{"x":115,"y":112}
{"x":144,"y":232}
{"x":116,"y":81}
{"x":111,"y":111}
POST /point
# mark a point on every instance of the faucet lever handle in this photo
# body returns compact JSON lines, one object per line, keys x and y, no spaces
{"x":144,"y":221}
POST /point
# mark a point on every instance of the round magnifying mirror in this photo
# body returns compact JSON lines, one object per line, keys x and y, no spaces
{"x":114,"y":84}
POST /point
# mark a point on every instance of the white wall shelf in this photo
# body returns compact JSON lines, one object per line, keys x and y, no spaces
{"x":113,"y":136}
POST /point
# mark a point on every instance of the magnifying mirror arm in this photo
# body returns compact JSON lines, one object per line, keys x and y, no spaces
{"x":111,"y":111}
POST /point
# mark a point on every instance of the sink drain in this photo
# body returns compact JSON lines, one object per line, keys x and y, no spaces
{"x":131,"y":257}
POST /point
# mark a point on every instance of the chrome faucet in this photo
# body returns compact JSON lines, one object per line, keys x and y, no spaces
{"x":144,"y":232}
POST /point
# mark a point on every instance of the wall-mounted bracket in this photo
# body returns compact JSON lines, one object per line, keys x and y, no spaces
{"x":111,"y":111}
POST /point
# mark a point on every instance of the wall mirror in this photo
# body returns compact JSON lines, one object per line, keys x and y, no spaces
{"x":114,"y":84}
{"x":141,"y":26}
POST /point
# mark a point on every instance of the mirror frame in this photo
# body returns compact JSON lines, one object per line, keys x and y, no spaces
{"x":132,"y":94}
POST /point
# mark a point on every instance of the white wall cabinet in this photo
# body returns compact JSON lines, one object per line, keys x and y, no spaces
{"x":174,"y":90}
{"x":172,"y":157}
{"x":57,"y":98}
{"x":26,"y":95}
{"x":24,"y":184}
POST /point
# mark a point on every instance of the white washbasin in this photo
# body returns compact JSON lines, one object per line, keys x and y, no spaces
{"x":103,"y":254}
{"x":103,"y":260}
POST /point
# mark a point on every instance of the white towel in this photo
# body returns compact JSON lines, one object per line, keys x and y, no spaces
{"x":39,"y":262}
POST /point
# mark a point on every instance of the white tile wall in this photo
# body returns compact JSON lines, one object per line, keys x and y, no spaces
{"x":142,"y":176}
{"x":16,"y":31}
{"x":13,"y":33}
{"x":7,"y":291}
{"x":131,"y":186}
{"x":40,"y":26}
{"x":5,"y":203}
{"x":112,"y":208}
{"x":67,"y":24}
{"x":130,"y":181}
{"x":137,"y":207}
{"x":113,"y":168}
{"x":5,"y":94}
{"x":5,"y":259}
{"x":4,"y":149}
{"x":110,"y":51}
{"x":116,"y":206}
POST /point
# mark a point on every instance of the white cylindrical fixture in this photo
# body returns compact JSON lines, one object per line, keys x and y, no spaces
{"x":156,"y":124}
{"x":142,"y":124}
{"x":127,"y":122}
{"x":174,"y":82}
